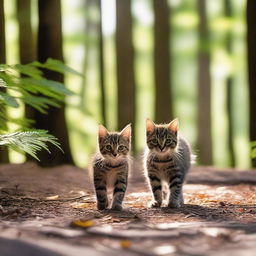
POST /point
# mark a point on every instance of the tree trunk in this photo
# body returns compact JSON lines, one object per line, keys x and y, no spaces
{"x":27,"y":49}
{"x":26,"y":43}
{"x":204,"y":89}
{"x":163,"y":108}
{"x":88,"y":29}
{"x":50,"y":46}
{"x":101,"y":66}
{"x":2,"y":31}
{"x":229,"y":91}
{"x":125,"y":66}
{"x":4,"y":156}
{"x":251,"y":55}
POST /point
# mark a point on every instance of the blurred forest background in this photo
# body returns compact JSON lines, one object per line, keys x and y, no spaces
{"x":141,"y":58}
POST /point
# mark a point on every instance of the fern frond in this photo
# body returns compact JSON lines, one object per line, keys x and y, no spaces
{"x":2,"y":83}
{"x":32,"y":88}
{"x":29,"y":141}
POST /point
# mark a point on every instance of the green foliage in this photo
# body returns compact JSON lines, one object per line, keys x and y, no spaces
{"x":2,"y":83}
{"x":21,"y":84}
{"x":26,"y":84}
{"x":54,"y":65}
{"x":29,"y":141}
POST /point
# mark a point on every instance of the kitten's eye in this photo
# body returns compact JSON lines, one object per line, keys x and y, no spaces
{"x":121,"y":147}
{"x":108,"y":147}
{"x":154,"y":141}
{"x":168,"y":142}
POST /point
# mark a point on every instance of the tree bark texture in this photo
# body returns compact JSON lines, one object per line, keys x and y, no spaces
{"x":229,"y":89}
{"x":163,"y":106}
{"x":204,"y":139}
{"x":251,"y":58}
{"x":101,"y":65}
{"x":26,"y":45}
{"x":50,"y":46}
{"x":27,"y":50}
{"x":4,"y":156}
{"x":125,"y":66}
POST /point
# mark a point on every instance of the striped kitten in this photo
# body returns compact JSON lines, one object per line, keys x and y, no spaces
{"x":167,"y":160}
{"x":110,"y":166}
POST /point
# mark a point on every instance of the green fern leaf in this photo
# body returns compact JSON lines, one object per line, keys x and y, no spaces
{"x":29,"y":141}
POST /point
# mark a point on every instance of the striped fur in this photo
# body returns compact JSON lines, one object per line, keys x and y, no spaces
{"x":167,"y":160}
{"x":110,"y":167}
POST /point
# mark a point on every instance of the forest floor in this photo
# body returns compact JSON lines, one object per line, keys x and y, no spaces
{"x":52,"y":211}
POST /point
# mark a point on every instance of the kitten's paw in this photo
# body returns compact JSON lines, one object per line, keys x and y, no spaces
{"x":174,"y":204}
{"x":102,"y":206}
{"x":155,"y":204}
{"x":117,"y":207}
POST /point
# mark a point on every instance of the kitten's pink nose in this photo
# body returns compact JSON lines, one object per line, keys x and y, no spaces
{"x":114,"y":154}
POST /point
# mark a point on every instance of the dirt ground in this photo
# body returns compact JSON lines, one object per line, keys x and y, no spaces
{"x":53,"y":212}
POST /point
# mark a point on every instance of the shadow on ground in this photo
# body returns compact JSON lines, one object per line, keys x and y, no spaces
{"x":40,"y":208}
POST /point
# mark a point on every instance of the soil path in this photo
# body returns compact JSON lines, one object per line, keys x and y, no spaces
{"x":42,"y":211}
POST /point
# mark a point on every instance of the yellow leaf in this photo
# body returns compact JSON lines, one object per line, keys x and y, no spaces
{"x":201,"y":196}
{"x":125,"y":244}
{"x":83,"y":223}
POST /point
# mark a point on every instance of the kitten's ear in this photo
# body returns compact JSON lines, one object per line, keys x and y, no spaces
{"x":103,"y":132}
{"x":150,"y":126}
{"x":126,"y":132}
{"x":174,"y":125}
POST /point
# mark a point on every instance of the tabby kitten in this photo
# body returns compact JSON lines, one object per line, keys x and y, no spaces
{"x":110,"y":166}
{"x":167,"y":160}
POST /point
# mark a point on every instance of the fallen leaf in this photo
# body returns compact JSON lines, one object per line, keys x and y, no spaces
{"x":82,"y":223}
{"x":52,"y":197}
{"x":125,"y":244}
{"x":201,"y":196}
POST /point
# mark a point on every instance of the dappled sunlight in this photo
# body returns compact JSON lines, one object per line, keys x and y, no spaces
{"x":186,"y":20}
{"x":63,"y":205}
{"x":81,"y":53}
{"x":164,"y":249}
{"x":74,"y":73}
{"x":203,"y":194}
